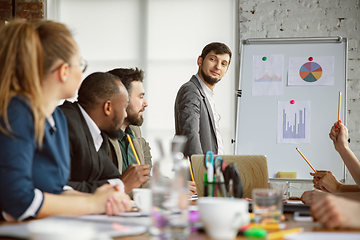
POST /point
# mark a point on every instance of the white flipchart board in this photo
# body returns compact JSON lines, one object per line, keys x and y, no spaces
{"x":257,"y":116}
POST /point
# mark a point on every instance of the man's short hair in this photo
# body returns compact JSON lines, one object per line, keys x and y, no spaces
{"x":97,"y":88}
{"x":218,"y":48}
{"x":128,"y":75}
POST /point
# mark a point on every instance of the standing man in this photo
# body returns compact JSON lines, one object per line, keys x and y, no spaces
{"x":120,"y":150}
{"x":195,"y":113}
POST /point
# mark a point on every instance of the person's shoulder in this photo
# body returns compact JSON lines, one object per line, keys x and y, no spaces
{"x":190,"y":86}
{"x":19,"y":103}
{"x":67,"y":105}
{"x":136,"y":130}
{"x":59,"y":114}
{"x":72,"y":114}
{"x":19,"y":107}
{"x":68,"y":108}
{"x":20,"y":115}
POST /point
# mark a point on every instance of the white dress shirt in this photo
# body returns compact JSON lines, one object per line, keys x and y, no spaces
{"x":210,"y":96}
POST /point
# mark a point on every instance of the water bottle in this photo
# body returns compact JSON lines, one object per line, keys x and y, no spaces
{"x":170,"y":218}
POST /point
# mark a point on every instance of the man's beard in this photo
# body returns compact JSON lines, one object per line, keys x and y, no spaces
{"x":210,"y":80}
{"x":135,"y":119}
{"x":113,"y":132}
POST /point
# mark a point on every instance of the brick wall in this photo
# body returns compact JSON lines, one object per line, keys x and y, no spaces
{"x":25,"y":9}
{"x":312,"y":18}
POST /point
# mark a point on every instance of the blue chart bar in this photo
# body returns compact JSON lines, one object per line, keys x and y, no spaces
{"x":296,"y":130}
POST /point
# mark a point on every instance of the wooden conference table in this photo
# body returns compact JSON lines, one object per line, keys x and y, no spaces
{"x":308,"y":226}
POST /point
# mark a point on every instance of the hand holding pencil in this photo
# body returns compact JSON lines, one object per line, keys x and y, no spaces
{"x":339,"y":135}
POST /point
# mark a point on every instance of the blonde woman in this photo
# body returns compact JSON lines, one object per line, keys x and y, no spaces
{"x":40,"y":64}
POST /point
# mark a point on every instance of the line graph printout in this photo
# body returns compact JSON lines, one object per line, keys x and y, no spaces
{"x":267,"y":77}
{"x":312,"y":71}
{"x":293,"y":122}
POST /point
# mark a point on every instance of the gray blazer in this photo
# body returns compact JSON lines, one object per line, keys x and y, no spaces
{"x":194,"y":119}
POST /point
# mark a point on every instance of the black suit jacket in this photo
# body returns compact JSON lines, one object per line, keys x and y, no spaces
{"x":88,"y":169}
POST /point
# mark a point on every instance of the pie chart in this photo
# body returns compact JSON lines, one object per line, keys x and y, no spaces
{"x":310,"y":72}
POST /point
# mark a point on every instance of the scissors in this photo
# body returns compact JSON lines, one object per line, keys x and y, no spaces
{"x":211,"y":164}
{"x":214,"y":167}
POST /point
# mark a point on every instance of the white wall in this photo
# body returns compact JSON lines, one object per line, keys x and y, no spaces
{"x":164,"y":38}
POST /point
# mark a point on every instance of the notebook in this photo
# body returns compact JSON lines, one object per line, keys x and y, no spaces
{"x":252,"y":168}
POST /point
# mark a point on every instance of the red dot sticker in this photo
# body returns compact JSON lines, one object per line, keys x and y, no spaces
{"x":292,"y":101}
{"x":311,"y":58}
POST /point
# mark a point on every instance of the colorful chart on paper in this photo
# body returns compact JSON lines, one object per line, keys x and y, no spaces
{"x":316,"y":72}
{"x":310,"y":72}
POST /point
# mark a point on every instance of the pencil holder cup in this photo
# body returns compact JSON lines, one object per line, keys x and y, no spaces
{"x":215,"y":189}
{"x":222,"y":217}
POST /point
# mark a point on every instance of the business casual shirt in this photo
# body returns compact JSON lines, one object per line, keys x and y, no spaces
{"x":94,"y":129}
{"x":126,"y":150}
{"x":210,"y":96}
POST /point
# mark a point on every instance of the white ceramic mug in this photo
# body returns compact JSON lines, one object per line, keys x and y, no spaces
{"x":222,"y":217}
{"x":143,"y":199}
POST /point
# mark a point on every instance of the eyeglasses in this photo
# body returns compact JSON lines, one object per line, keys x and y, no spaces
{"x":83,"y":66}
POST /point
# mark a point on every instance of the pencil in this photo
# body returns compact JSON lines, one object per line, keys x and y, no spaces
{"x":282,"y":234}
{"x":269,"y":226}
{"x":133,"y":149}
{"x":339,"y":106}
{"x":306,"y":160}
{"x":191,"y":173}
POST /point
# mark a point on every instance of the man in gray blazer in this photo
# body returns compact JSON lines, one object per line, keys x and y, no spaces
{"x":195,"y":113}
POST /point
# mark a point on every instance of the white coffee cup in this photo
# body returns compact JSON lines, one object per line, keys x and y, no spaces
{"x":222,"y":217}
{"x":143,"y":199}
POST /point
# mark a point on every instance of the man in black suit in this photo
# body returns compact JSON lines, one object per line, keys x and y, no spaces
{"x":98,"y":113}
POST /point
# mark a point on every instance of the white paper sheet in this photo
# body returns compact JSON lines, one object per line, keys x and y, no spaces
{"x":268,"y":75}
{"x":317,"y":72}
{"x":324,"y":236}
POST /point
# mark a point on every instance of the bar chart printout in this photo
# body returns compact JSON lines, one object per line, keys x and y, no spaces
{"x":296,"y":130}
{"x":293,"y":122}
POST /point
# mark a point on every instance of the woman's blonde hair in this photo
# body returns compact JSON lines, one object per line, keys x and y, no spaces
{"x":21,"y":72}
{"x":57,"y":43}
{"x":28,"y":51}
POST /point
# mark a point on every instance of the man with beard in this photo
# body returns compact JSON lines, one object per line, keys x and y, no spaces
{"x":98,"y":113}
{"x":195,"y":113}
{"x":120,"y":150}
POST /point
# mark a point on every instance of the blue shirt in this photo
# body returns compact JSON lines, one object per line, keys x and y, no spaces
{"x":26,"y":171}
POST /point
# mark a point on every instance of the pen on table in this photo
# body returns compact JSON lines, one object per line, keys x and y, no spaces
{"x":282,"y":234}
{"x":306,"y":160}
{"x":339,"y":106}
{"x":268,"y":226}
{"x":133,"y":149}
{"x":191,"y":172}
